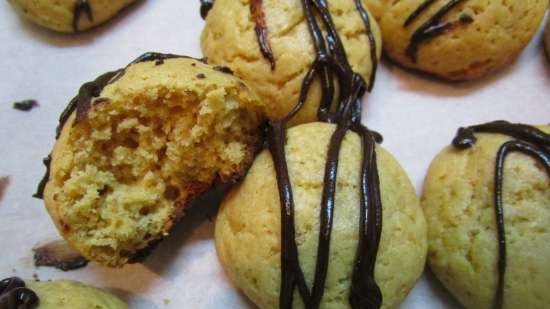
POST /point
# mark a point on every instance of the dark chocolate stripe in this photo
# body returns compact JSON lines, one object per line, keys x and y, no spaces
{"x":14,"y":295}
{"x":529,"y":141}
{"x":372,"y":43}
{"x":261,"y":31}
{"x":206,"y":6}
{"x":433,"y":27}
{"x":81,"y":7}
{"x":331,"y":66}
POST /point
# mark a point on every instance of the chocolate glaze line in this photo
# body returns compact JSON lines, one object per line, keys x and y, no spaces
{"x":529,"y":141}
{"x":14,"y":295}
{"x":82,"y":103}
{"x":81,"y":7}
{"x":372,"y":43}
{"x":433,"y":27}
{"x":418,"y":11}
{"x":261,"y":31}
{"x":206,"y":6}
{"x":330,"y":65}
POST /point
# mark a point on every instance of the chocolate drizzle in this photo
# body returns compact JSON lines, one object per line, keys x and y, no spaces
{"x":14,"y":295}
{"x":433,"y":27}
{"x":529,"y":141}
{"x":206,"y":6}
{"x":81,"y":7}
{"x":261,"y":31}
{"x":331,"y":65}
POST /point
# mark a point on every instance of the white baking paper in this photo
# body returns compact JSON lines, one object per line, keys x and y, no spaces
{"x":417,"y":116}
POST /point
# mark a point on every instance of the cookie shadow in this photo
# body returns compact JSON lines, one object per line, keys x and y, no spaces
{"x":133,"y":300}
{"x":410,"y":80}
{"x":440,"y":292}
{"x":191,"y":228}
{"x":87,"y":37}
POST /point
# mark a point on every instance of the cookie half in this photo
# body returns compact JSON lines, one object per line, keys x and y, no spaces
{"x":138,"y":145}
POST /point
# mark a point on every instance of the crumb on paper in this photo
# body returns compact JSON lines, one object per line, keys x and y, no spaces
{"x":35,"y":277}
{"x":25,"y":105}
{"x":4,"y":182}
{"x":60,"y":255}
{"x":166,"y":301}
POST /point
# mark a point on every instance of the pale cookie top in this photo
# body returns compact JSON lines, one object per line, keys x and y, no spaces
{"x":248,"y":227}
{"x":459,"y":204}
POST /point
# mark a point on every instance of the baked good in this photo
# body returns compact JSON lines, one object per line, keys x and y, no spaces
{"x":59,"y":294}
{"x":489,"y":241}
{"x":136,"y":146}
{"x":248,"y":225}
{"x":457,"y":39}
{"x":69,"y":15}
{"x":268,"y":43}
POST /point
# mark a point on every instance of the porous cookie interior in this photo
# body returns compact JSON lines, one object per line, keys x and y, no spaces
{"x":121,"y":176}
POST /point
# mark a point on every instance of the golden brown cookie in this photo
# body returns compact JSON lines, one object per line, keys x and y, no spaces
{"x":132,"y":155}
{"x":230,"y":39}
{"x":457,"y":39}
{"x":248,"y":226}
{"x":69,"y":15}
{"x":461,"y":211}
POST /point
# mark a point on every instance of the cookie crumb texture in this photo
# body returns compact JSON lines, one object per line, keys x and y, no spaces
{"x":500,"y":30}
{"x":154,"y":139}
{"x":229,"y":39}
{"x":458,"y":201}
{"x":248,"y":227}
{"x":58,"y":14}
{"x":66,"y":294}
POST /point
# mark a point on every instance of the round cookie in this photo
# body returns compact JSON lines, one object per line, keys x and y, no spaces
{"x":229,"y":38}
{"x":69,"y":15}
{"x":469,"y":40}
{"x":458,"y":202}
{"x":60,"y":294}
{"x":248,"y":226}
{"x":131,"y":158}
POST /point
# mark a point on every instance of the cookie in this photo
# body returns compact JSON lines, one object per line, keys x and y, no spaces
{"x":457,"y":39}
{"x":268,"y":43}
{"x":248,"y":225}
{"x":69,"y":15}
{"x":59,"y":294}
{"x":467,"y":211}
{"x":136,"y":146}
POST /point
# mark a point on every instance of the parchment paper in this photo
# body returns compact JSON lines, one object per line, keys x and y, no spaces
{"x":417,"y":116}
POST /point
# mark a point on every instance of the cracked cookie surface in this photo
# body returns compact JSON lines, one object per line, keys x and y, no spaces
{"x":458,"y":202}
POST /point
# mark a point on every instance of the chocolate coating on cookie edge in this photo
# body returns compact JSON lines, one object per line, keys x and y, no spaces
{"x":15,"y":295}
